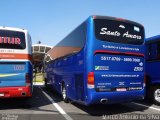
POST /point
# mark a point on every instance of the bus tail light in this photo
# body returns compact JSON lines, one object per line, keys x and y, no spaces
{"x":90,"y":80}
{"x":28,"y":81}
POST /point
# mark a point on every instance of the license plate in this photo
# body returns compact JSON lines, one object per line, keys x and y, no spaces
{"x":1,"y":94}
{"x":121,"y":89}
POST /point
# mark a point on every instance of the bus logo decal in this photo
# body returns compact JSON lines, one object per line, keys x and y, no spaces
{"x":141,"y":64}
{"x":101,"y":67}
{"x":136,"y":29}
{"x":10,"y":40}
{"x":122,"y":26}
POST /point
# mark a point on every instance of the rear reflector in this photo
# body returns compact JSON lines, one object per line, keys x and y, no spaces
{"x":28,"y":81}
{"x":145,"y":80}
{"x":90,"y":80}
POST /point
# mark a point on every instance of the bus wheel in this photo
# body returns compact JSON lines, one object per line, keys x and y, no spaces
{"x":64,"y":94}
{"x":156,"y":95}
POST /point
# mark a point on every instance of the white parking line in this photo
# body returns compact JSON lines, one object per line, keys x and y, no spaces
{"x":154,"y":108}
{"x":61,"y":111}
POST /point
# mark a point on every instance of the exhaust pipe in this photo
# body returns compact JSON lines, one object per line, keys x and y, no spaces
{"x":104,"y":101}
{"x":23,"y":94}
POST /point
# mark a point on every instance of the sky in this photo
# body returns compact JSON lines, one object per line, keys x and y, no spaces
{"x":49,"y":21}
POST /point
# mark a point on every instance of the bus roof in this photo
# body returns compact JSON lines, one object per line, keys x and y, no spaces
{"x":115,"y":18}
{"x":12,"y":29}
{"x":153,"y":39}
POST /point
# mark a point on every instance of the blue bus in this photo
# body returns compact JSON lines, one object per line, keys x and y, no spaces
{"x":152,"y":67}
{"x":101,"y":61}
{"x":15,"y":63}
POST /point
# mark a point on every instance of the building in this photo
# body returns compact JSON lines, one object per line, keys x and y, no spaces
{"x":39,"y":52}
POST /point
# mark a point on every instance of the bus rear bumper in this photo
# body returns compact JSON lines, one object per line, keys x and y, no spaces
{"x":114,"y":97}
{"x":14,"y":92}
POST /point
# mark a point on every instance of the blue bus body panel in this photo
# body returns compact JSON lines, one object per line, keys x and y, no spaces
{"x":153,"y":60}
{"x":114,"y":97}
{"x":71,"y":72}
{"x":14,"y":73}
{"x":114,"y":71}
{"x":152,"y":69}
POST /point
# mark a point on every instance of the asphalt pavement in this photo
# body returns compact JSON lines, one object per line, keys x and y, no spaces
{"x":48,"y":105}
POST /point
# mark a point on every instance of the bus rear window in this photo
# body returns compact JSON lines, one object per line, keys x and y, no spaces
{"x":118,"y":31}
{"x":12,"y":39}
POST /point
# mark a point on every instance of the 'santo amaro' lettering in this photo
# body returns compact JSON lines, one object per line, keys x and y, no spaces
{"x":107,"y":32}
{"x":118,"y":31}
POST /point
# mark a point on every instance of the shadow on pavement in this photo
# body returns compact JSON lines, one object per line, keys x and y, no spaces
{"x":37,"y":101}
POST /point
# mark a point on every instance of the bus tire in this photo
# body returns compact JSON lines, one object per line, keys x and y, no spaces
{"x":148,"y":95}
{"x":156,"y":95}
{"x":64,"y":93}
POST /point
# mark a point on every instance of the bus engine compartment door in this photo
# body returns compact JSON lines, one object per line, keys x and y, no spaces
{"x":118,"y":72}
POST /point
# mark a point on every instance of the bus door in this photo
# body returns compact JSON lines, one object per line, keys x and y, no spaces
{"x":79,"y":85}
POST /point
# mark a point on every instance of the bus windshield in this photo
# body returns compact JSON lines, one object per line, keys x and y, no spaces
{"x":118,"y":31}
{"x":12,"y":39}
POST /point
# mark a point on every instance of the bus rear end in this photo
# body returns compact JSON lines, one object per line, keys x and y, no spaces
{"x":116,"y":63}
{"x":15,"y":67}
